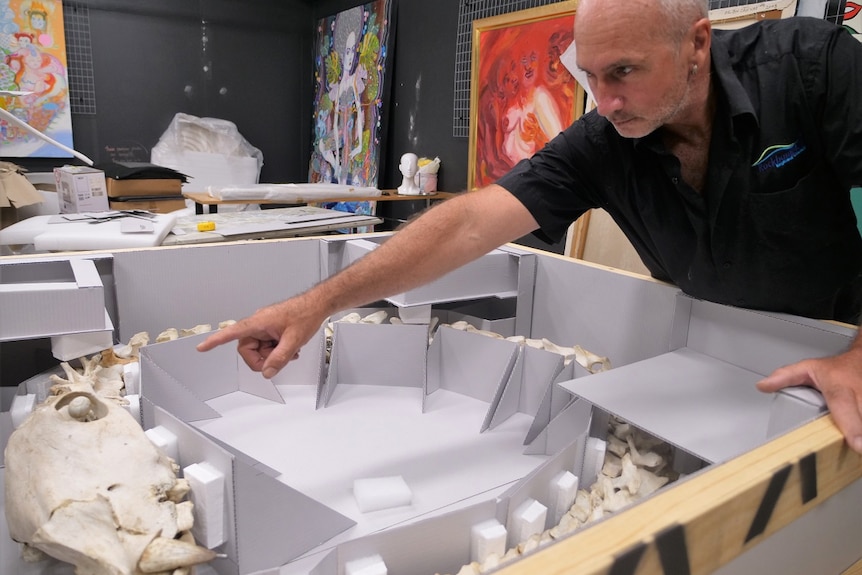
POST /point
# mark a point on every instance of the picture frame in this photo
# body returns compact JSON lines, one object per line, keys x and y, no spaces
{"x":521,"y":94}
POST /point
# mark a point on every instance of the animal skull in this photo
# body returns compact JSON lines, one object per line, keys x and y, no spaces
{"x":85,"y":485}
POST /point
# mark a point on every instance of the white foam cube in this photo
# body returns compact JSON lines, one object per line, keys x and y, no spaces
{"x":529,"y":519}
{"x":207,"y":493}
{"x":594,"y":457}
{"x":165,"y":440}
{"x":485,"y":538}
{"x":134,"y":408}
{"x":415,"y":313}
{"x":372,"y":565}
{"x":563,"y":489}
{"x":21,"y":408}
{"x":132,"y":377}
{"x":376,"y":493}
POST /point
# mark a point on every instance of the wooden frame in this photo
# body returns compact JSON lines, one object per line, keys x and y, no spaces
{"x":711,"y":517}
{"x":521,"y":94}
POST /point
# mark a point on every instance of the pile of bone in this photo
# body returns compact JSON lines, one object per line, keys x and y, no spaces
{"x":590,"y":361}
{"x":635,"y":466}
{"x":173,"y":333}
{"x":85,"y":485}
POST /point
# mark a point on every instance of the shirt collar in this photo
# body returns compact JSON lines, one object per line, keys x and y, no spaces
{"x":724,"y":81}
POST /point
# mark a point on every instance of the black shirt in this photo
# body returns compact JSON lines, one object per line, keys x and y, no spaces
{"x":774,"y":228}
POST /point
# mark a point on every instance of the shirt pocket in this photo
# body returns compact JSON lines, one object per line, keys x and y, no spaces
{"x":803,"y":218}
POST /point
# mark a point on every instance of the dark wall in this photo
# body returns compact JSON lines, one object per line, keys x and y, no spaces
{"x":244,"y":61}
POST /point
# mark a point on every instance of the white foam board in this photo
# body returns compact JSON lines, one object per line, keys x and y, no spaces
{"x":707,"y":407}
{"x":494,"y":274}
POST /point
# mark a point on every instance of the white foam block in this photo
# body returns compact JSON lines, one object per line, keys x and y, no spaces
{"x":376,"y":493}
{"x":207,"y":494}
{"x":372,"y":565}
{"x":165,"y":441}
{"x":74,"y":345}
{"x":132,"y":377}
{"x":21,"y":408}
{"x":594,"y":457}
{"x":485,"y":538}
{"x":529,"y":519}
{"x":563,"y":489}
{"x":134,"y":407}
{"x":415,"y":313}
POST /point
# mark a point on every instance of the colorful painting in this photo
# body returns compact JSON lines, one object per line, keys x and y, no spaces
{"x":33,"y":61}
{"x":350,"y":73}
{"x":522,"y":94}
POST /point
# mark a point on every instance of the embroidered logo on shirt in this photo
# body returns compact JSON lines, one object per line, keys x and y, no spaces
{"x":778,"y":155}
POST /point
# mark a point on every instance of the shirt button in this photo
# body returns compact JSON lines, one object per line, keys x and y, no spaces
{"x":675,"y":180}
{"x":727,"y":265}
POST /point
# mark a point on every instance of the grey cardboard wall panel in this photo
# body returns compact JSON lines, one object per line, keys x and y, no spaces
{"x":624,"y":317}
{"x":439,"y":546}
{"x":494,"y":274}
{"x":194,"y":447}
{"x":470,"y":364}
{"x":705,"y":406}
{"x":567,"y":457}
{"x":39,"y":299}
{"x":384,"y":354}
{"x":181,"y":288}
{"x":761,"y":341}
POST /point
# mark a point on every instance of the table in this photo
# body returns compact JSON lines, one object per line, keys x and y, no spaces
{"x":39,"y":233}
{"x":202,"y":199}
{"x":265,"y":224}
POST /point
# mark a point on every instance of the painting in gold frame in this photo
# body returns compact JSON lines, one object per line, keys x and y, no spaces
{"x":521,"y":94}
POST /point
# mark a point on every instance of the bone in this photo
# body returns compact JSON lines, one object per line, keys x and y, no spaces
{"x":164,"y":554}
{"x":101,"y":517}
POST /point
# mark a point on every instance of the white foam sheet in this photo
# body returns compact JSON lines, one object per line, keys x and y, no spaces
{"x":47,"y":236}
{"x":376,"y":431}
{"x":707,"y":407}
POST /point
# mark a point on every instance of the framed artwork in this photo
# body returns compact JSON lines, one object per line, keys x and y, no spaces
{"x":521,"y":95}
{"x":350,"y":65}
{"x":33,"y":65}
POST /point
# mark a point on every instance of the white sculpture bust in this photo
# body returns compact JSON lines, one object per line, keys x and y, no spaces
{"x":409,"y":166}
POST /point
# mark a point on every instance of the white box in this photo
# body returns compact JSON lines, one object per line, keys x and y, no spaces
{"x":48,"y":298}
{"x":81,"y":189}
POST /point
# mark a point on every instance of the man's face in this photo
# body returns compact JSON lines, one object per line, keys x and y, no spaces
{"x":638,"y":77}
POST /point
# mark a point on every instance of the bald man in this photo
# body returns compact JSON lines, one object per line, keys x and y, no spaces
{"x":726,"y":157}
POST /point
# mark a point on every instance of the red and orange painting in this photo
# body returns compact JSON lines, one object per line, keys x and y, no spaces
{"x":522,"y":93}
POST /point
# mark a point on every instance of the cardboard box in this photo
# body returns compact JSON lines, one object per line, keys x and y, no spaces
{"x":158,"y":206}
{"x":47,"y":298}
{"x":144,"y":187}
{"x":81,"y":189}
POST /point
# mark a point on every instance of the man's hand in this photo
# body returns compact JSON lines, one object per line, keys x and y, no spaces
{"x":838,"y":378}
{"x":271,"y":337}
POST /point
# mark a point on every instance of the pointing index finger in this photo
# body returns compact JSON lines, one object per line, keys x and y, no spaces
{"x":220,"y":337}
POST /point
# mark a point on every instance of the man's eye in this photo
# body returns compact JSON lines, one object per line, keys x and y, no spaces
{"x":623,"y":71}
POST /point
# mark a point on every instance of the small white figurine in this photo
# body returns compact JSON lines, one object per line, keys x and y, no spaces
{"x":409,"y":166}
